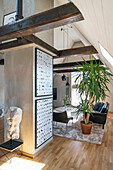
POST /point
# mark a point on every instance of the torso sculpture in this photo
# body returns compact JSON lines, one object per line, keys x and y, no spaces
{"x":13,"y":116}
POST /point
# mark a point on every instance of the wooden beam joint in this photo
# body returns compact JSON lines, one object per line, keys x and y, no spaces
{"x":37,"y":41}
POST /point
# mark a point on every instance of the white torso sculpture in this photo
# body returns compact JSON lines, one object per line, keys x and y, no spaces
{"x":14,"y":117}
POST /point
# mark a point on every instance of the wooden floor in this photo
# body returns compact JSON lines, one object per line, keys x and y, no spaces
{"x":67,"y":154}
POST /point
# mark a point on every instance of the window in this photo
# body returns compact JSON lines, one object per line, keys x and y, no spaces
{"x":106,"y":54}
{"x":75,"y":96}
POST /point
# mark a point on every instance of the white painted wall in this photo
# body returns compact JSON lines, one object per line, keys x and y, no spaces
{"x":9,"y":6}
{"x":1,"y":11}
{"x":40,"y":6}
{"x":28,"y":7}
{"x":61,"y":89}
{"x":1,"y":85}
{"x":62,"y":38}
{"x":19,"y":91}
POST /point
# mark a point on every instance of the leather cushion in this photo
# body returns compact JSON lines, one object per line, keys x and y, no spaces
{"x":105,"y":108}
{"x":95,"y":107}
{"x":98,"y":106}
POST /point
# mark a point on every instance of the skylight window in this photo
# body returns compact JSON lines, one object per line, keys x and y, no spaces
{"x":106,"y":54}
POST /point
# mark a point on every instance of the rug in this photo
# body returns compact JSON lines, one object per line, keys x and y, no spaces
{"x":75,"y":132}
{"x":16,"y":163}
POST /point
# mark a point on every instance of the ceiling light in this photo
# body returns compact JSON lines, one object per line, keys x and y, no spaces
{"x":63,"y":77}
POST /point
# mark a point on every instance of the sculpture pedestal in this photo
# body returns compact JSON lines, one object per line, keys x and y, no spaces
{"x":11,"y":145}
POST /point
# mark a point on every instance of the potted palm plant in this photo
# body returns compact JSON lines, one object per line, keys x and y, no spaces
{"x":92,"y":81}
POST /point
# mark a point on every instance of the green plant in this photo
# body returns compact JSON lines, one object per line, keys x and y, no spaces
{"x":92,"y":80}
{"x":65,"y":100}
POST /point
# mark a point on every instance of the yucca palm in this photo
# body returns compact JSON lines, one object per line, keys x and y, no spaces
{"x":93,"y":80}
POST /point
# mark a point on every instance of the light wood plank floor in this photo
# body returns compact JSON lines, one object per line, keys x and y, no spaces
{"x":67,"y":154}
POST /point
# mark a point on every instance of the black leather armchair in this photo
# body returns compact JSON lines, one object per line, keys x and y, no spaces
{"x":100,"y":117}
{"x":61,"y":117}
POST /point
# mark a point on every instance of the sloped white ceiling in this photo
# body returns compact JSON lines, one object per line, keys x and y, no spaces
{"x":97,"y":25}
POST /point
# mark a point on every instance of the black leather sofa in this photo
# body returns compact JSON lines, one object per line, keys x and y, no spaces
{"x":99,"y":113}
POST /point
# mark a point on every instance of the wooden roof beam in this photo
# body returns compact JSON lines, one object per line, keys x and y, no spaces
{"x":13,"y":44}
{"x":65,"y":71}
{"x":30,"y":39}
{"x":72,"y":64}
{"x":61,"y":15}
{"x":76,"y":52}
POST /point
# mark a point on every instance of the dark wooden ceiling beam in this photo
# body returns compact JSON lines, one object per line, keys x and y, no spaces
{"x":77,"y":52}
{"x":15,"y":43}
{"x":65,"y":71}
{"x":26,"y":41}
{"x":41,"y":43}
{"x":62,"y":15}
{"x":72,"y":64}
